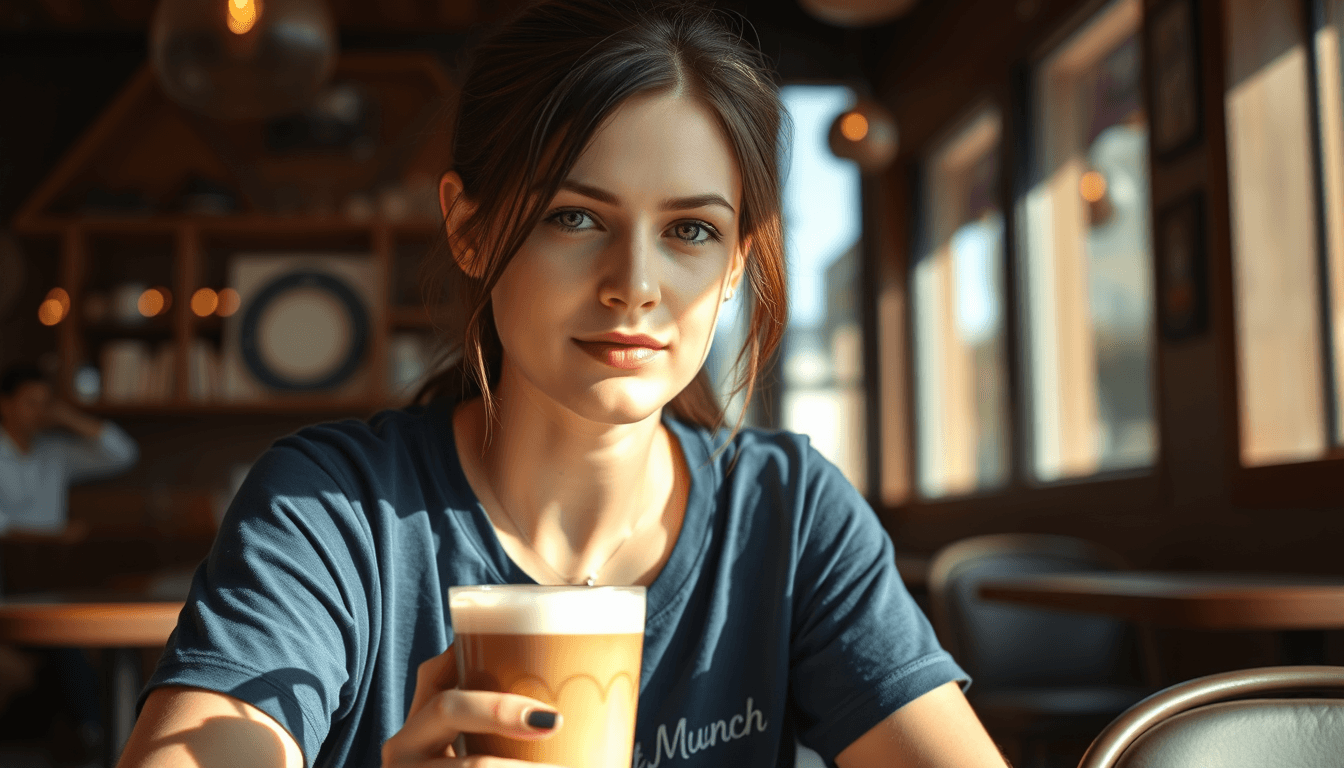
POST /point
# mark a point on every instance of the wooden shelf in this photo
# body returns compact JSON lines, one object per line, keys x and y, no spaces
{"x":152,"y":328}
{"x":305,"y":405}
{"x":255,"y":224}
{"x":145,"y":143}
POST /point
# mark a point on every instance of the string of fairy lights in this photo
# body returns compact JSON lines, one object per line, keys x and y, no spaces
{"x":152,"y":302}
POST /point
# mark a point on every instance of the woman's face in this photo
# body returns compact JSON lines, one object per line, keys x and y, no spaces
{"x":641,"y":240}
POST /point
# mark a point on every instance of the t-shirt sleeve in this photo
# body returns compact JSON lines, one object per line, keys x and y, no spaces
{"x":277,"y":614}
{"x":860,"y":648}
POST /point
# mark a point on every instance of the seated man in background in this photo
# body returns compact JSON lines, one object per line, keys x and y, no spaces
{"x":45,"y":445}
{"x":37,"y":463}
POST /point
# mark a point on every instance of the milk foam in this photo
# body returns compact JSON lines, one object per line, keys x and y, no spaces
{"x":529,"y":610}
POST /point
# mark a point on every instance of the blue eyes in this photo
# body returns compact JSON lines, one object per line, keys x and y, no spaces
{"x":693,"y":232}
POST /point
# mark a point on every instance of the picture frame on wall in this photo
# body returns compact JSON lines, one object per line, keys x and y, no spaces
{"x":1173,"y":69}
{"x":1182,"y":268}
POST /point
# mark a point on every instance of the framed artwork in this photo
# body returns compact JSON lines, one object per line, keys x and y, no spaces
{"x":1182,"y":273}
{"x":1173,"y":69}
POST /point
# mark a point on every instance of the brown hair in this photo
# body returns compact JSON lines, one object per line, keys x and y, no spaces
{"x":535,"y":92}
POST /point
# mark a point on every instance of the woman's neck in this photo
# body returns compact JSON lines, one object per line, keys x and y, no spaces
{"x":573,"y":492}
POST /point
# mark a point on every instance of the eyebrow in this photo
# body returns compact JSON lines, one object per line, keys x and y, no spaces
{"x":670,"y":204}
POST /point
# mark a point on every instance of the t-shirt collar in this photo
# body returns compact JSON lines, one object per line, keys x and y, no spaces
{"x":695,"y":527}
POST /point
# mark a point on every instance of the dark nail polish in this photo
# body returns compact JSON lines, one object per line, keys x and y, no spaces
{"x":541,"y":720}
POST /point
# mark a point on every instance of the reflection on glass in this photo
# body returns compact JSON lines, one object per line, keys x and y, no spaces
{"x":1330,"y":61}
{"x":1088,"y":261}
{"x":960,"y":392}
{"x":1274,"y":240}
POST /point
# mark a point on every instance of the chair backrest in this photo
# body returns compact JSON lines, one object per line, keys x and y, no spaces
{"x":1228,"y":720}
{"x":1001,"y":644}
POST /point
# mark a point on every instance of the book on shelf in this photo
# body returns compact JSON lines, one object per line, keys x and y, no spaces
{"x":134,"y":372}
{"x":204,"y":371}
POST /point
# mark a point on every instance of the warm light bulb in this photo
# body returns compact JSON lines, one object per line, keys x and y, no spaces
{"x":61,"y":297}
{"x":204,"y":302}
{"x":854,"y":126}
{"x":242,"y":15}
{"x":229,"y":301}
{"x":243,"y":59}
{"x":1092,"y":186}
{"x":151,"y":302}
{"x":50,"y":312}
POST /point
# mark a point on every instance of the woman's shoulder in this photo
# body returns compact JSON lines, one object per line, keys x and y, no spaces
{"x":383,"y":442}
{"x":751,"y":451}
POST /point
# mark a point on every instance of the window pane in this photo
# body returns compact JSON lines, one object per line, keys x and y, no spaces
{"x":960,"y":390}
{"x":1331,"y":77}
{"x":823,"y":394}
{"x":1087,"y":259}
{"x":1273,"y":233}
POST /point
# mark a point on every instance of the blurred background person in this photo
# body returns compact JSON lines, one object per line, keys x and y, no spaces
{"x":46,"y":445}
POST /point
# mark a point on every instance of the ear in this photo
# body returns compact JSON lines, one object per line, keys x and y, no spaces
{"x":457,"y":209}
{"x":739,"y":264}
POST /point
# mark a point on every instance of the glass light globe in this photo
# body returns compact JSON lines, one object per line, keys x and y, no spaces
{"x":237,"y":59}
{"x":866,"y":134}
{"x":857,"y":13}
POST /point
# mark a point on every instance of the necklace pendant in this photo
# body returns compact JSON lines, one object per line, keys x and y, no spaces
{"x":590,"y":581}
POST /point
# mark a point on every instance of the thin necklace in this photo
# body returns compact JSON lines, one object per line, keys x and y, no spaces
{"x":591,"y":578}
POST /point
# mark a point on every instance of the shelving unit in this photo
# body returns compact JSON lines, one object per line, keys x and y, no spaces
{"x":145,"y":148}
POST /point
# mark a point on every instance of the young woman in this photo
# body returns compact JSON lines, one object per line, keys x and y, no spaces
{"x":615,"y":180}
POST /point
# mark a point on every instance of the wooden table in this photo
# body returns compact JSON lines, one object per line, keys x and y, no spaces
{"x":119,"y":625}
{"x":1300,"y":608}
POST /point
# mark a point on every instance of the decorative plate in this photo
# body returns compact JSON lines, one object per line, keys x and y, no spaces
{"x":304,"y":331}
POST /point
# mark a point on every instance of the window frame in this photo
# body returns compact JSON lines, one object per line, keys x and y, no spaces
{"x":921,"y":224}
{"x":767,"y":404}
{"x":1301,"y":483}
{"x":1013,"y":95}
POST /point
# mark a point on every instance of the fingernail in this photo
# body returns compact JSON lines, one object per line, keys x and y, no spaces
{"x":541,"y":719}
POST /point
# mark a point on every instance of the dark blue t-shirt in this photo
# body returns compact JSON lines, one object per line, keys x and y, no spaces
{"x":778,"y":618}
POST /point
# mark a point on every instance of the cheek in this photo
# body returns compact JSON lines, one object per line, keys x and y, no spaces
{"x":531,"y":294}
{"x":700,"y":307}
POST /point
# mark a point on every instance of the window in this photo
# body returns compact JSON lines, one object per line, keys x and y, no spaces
{"x":958,"y":302}
{"x":821,"y":393}
{"x":1087,"y":257}
{"x":821,"y":357}
{"x":1330,"y":76}
{"x":1287,"y":233}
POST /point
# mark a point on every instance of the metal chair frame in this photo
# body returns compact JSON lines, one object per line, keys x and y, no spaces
{"x":1110,"y":745}
{"x":945,"y":564}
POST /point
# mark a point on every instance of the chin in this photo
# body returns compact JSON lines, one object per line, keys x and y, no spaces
{"x":620,"y":401}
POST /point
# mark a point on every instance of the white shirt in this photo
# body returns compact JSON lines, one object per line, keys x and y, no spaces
{"x":33,"y":485}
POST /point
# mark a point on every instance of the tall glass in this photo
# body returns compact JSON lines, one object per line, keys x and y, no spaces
{"x":577,"y":649}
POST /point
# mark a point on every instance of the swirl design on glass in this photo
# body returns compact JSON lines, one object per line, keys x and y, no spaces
{"x":534,"y":686}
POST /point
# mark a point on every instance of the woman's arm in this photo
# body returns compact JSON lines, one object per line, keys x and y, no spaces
{"x":936,"y":730}
{"x":183,"y":727}
{"x":193,"y":728}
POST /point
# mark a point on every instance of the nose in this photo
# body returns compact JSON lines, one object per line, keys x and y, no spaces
{"x":631,"y":271}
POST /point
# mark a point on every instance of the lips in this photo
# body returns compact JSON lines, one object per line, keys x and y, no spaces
{"x":622,"y":351}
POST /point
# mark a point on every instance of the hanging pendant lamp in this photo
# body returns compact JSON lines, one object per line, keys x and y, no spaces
{"x":238,"y":59}
{"x":865,"y":133}
{"x":856,"y":13}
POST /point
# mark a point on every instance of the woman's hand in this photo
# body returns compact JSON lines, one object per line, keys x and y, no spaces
{"x":439,"y":713}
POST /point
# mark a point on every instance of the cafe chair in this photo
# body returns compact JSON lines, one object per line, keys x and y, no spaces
{"x":1040,"y":678}
{"x":1269,"y":717}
